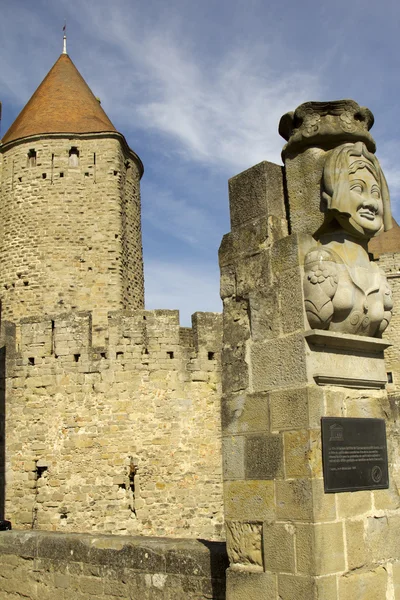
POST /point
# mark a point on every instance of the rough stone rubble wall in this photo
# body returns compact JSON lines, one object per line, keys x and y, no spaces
{"x":123,"y":438}
{"x":390,"y":263}
{"x":79,"y":225}
{"x":43,"y":566}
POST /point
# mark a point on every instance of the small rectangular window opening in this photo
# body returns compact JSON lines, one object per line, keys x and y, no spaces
{"x":77,"y":357}
{"x":32,"y":158}
{"x":31,"y":360}
{"x":170,"y":354}
{"x":44,"y":175}
{"x":211,"y":355}
{"x":73,"y":160}
{"x":103,"y":355}
{"x":61,"y":174}
{"x":390,"y":377}
{"x":119,"y":355}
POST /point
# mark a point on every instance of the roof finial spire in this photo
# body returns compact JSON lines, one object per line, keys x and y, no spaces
{"x":65,"y":38}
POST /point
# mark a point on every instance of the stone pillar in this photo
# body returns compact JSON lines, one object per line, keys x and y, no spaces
{"x":286,"y":538}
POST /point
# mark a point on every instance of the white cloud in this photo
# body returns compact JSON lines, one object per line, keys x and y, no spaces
{"x":217,"y":110}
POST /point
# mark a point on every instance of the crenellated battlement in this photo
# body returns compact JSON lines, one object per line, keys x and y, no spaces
{"x":150,"y":339}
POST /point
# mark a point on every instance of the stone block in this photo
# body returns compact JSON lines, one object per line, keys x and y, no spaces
{"x":264,"y":313}
{"x":320,"y":548}
{"x":227,"y":282}
{"x":396,"y":580}
{"x":23,"y":545}
{"x":303,"y":177}
{"x":292,"y":315}
{"x":357,"y":549}
{"x":353,"y":504}
{"x":253,"y":275}
{"x":294,"y":500}
{"x":297,"y":454}
{"x":296,"y":407}
{"x":244,"y":543}
{"x":235,"y":373}
{"x":249,"y":500}
{"x":245,"y":413}
{"x":236,"y":322}
{"x":365,"y":585}
{"x":264,"y":457}
{"x":368,"y":407}
{"x":93,"y":586}
{"x":335,"y":400}
{"x":278,"y":363}
{"x":324,"y":505}
{"x":340,"y":359}
{"x":249,"y":239}
{"x":382,"y":536}
{"x":387,"y":499}
{"x":289,"y":252}
{"x":300,"y":587}
{"x":279,"y":547}
{"x":256,"y":192}
{"x":243,"y":585}
{"x":233,"y":457}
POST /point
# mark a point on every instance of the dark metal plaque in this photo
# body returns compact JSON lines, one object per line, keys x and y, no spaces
{"x":354,"y":454}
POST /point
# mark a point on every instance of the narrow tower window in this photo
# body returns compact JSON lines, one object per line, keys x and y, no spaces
{"x":74,"y":157}
{"x":32,"y":158}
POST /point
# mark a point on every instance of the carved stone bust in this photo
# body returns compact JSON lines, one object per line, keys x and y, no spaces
{"x":344,"y":290}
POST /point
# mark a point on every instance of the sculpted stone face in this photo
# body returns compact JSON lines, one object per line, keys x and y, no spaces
{"x":365,"y":200}
{"x":354,"y":193}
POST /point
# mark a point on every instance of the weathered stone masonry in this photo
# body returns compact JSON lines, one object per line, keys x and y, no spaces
{"x":42,"y":566}
{"x":70,"y":233}
{"x":390,"y":263}
{"x":123,"y":438}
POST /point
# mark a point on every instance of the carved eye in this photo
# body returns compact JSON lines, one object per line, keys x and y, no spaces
{"x":376,"y":193}
{"x":357,"y":188}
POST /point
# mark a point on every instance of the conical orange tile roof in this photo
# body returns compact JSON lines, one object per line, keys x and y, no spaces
{"x":63,"y":103}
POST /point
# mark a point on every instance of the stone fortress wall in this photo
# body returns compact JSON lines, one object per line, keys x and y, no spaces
{"x":70,"y":213}
{"x":390,"y":263}
{"x":123,"y":438}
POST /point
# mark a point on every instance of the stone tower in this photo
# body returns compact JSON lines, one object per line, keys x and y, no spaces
{"x":70,"y":206}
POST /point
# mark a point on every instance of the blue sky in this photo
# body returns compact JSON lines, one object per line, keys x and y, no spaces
{"x":198,"y":89}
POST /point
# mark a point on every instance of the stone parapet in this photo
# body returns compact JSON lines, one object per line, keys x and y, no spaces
{"x":83,"y":567}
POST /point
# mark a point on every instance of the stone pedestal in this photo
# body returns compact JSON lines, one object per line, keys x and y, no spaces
{"x":287,"y":539}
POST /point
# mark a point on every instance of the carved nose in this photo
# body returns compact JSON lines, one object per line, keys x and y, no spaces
{"x":371,"y":205}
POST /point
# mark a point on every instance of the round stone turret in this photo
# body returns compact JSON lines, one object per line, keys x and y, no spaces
{"x":69,"y":205}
